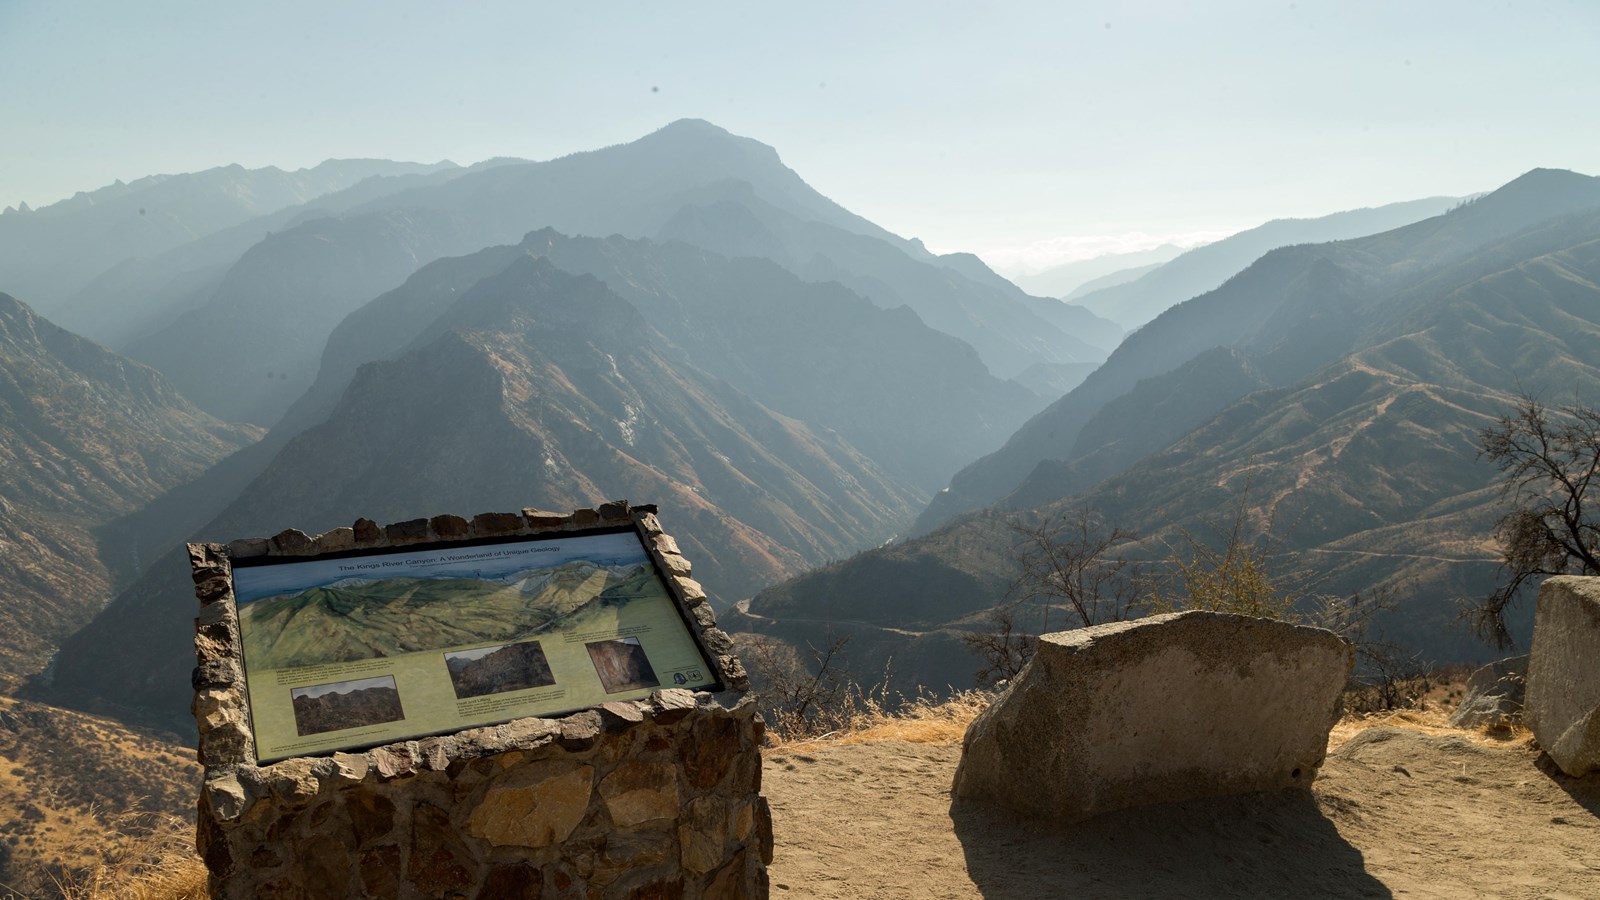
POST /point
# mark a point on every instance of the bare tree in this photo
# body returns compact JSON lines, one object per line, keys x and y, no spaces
{"x":1070,"y":560}
{"x":1067,"y":560}
{"x":1549,"y":459}
{"x":798,"y":689}
{"x":1004,"y":648}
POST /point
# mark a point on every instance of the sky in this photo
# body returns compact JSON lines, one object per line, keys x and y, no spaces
{"x":1031,"y":133}
{"x":345,"y":687}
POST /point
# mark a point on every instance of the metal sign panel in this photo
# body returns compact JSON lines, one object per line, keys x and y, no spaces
{"x":350,"y":651}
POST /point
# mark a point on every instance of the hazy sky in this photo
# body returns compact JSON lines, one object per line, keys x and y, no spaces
{"x":1027,"y":131}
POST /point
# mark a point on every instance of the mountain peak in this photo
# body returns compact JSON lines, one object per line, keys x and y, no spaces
{"x":532,"y":295}
{"x":1543,"y":175}
{"x":1540,"y":184}
{"x":696,"y":134}
{"x":694,"y":126}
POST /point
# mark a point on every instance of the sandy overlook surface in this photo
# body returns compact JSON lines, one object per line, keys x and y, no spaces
{"x":1396,"y":812}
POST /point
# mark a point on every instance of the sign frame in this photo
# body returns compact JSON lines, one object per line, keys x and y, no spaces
{"x":227,"y":713}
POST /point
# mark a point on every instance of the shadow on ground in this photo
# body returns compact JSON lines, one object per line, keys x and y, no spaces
{"x":1259,"y":845}
{"x":1585,"y":790}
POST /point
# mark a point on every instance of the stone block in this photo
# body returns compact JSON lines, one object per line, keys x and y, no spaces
{"x":624,"y":852}
{"x":672,"y":704}
{"x":1167,"y":708}
{"x":410,"y":531}
{"x":336,"y":539}
{"x":693,"y":592}
{"x":533,"y":807}
{"x":580,"y":731}
{"x":621,"y":714}
{"x":291,"y":542}
{"x":675,"y":565}
{"x":493,"y":524}
{"x":710,"y":751}
{"x":367,"y":531}
{"x":247,"y":548}
{"x":703,"y":831}
{"x":213,"y":589}
{"x":638,"y":791}
{"x":1563,"y":698}
{"x":450,"y":527}
{"x":717,"y":641}
{"x":513,"y":882}
{"x":440,"y":861}
{"x":733,"y":672}
{"x":215,"y":673}
{"x":206,"y":560}
{"x":539,"y":519}
{"x":704,"y":616}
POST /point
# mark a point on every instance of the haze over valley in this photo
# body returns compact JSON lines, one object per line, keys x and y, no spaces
{"x":853,"y":323}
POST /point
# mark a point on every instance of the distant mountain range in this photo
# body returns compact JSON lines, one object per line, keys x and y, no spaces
{"x":1284,"y":310}
{"x":273,"y":302}
{"x":682,"y":320}
{"x":1133,"y":302}
{"x":1068,"y":278}
{"x":544,"y":387}
{"x":85,"y":436}
{"x":50,"y":253}
{"x":1337,"y":388}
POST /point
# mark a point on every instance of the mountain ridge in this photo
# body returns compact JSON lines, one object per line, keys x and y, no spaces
{"x":1363,"y":469}
{"x":1241,"y":313}
{"x":85,"y":435}
{"x":1201,"y":269}
{"x":545,"y":386}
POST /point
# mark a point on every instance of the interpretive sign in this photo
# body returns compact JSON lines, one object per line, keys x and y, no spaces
{"x":472,"y":707}
{"x":373,"y":647}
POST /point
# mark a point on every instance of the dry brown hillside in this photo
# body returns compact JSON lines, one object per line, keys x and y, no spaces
{"x":77,"y":790}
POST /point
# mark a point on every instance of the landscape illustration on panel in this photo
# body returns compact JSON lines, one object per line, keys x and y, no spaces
{"x":329,"y":612}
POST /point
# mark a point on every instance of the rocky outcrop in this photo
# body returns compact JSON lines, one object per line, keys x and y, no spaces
{"x":1563,"y":706}
{"x":1494,"y":694}
{"x":1167,"y":708}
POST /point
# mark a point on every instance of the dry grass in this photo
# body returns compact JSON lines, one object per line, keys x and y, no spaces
{"x":80,"y":795}
{"x":154,"y":860}
{"x":934,"y":720}
{"x":923,"y":720}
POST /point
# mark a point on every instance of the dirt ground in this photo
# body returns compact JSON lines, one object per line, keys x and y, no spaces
{"x":1396,"y":812}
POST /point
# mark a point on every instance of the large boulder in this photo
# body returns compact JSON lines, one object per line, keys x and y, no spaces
{"x":1167,"y":708}
{"x":1563,"y":703}
{"x":1494,"y":694}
